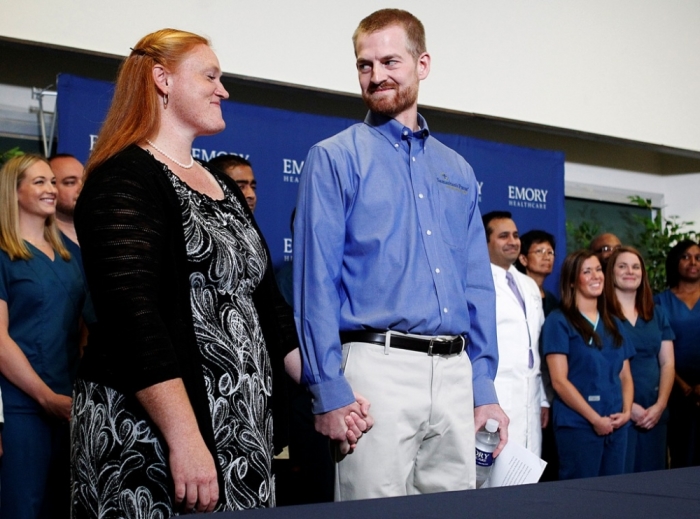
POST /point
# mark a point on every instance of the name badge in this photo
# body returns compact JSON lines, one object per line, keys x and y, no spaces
{"x":594,"y":398}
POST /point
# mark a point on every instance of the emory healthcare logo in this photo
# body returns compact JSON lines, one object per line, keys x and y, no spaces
{"x":291,"y":169}
{"x":527,"y":197}
{"x":288,"y":242}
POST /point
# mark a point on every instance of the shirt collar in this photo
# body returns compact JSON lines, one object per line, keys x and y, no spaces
{"x":393,"y":130}
{"x":499,"y":271}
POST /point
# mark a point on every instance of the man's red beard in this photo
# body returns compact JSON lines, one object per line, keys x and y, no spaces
{"x":391,"y":105}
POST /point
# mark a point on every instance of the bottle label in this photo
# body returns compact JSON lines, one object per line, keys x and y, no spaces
{"x":484,"y":459}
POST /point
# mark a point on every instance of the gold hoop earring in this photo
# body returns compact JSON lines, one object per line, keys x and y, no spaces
{"x":165,"y":100}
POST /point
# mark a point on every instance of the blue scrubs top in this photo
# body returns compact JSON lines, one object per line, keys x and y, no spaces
{"x":45,"y":300}
{"x":646,"y":338}
{"x":686,"y":325}
{"x":594,"y":372}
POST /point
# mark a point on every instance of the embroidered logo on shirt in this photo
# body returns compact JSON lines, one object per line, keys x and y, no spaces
{"x":452,"y":185}
{"x":594,"y":398}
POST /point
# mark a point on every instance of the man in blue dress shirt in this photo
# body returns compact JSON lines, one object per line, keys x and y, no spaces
{"x":394,"y":298}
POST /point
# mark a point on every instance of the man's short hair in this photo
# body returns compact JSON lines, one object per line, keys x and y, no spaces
{"x":225,"y":162}
{"x":61,"y":156}
{"x":378,"y":20}
{"x":494,"y":215}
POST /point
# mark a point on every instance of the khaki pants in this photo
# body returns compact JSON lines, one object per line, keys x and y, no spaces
{"x":423,"y":435}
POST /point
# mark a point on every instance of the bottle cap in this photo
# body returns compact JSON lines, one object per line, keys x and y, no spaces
{"x":491,"y":425}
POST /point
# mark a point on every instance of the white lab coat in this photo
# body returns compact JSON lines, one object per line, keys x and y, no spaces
{"x":518,"y":387}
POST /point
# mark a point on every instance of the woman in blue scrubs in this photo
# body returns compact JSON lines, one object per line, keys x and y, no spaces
{"x":41,"y":299}
{"x":588,"y":362}
{"x":680,"y":302}
{"x":645,"y":325}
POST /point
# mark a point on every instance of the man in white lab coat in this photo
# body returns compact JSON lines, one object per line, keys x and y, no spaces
{"x":519,"y":317}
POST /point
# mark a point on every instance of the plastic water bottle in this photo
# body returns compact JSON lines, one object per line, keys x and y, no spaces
{"x":487,"y":438}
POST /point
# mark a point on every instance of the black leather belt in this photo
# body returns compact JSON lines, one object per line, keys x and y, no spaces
{"x":431,"y":346}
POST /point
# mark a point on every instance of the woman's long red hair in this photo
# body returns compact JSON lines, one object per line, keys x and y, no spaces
{"x":134,"y":116}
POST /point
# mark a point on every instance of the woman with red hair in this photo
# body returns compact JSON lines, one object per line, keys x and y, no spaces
{"x":645,"y":325}
{"x":174,"y":404}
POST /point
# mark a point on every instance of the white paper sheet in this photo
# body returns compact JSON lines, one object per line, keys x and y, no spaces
{"x":515,"y":465}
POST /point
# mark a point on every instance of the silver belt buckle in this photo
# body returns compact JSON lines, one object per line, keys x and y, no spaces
{"x":432,"y":341}
{"x":439,"y":340}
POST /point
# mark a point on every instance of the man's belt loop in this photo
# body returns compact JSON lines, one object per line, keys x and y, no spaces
{"x":387,"y":342}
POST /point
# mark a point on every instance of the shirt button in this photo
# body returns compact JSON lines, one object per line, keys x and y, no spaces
{"x":405,"y":133}
{"x":420,"y":195}
{"x":414,"y":159}
{"x":437,"y":271}
{"x":429,"y":232}
{"x":444,"y":310}
{"x":396,"y":145}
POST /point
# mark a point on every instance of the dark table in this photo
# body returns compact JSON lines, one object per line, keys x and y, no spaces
{"x":673,"y":494}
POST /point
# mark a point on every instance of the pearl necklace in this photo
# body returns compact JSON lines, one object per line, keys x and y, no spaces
{"x":183,"y":166}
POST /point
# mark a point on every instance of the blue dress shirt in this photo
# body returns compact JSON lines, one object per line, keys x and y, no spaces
{"x":388,"y":236}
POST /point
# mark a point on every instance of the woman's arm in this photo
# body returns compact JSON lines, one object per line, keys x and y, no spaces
{"x":16,"y":368}
{"x":558,"y":364}
{"x":668,"y":372}
{"x":620,"y":419}
{"x":124,"y":223}
{"x":686,"y":388}
{"x":292,"y":365}
{"x":191,"y":464}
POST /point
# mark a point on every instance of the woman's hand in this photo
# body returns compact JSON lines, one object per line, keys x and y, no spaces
{"x":619,"y":419}
{"x":653,"y":415}
{"x":191,"y":464}
{"x":194,"y":476}
{"x":696,"y":394}
{"x":358,"y":425}
{"x":687,"y":389}
{"x":603,"y":426}
{"x":57,"y":405}
{"x":638,"y":414}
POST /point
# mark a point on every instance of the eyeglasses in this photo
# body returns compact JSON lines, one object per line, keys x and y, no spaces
{"x":687,"y":257}
{"x":608,"y":248}
{"x":543,"y":252}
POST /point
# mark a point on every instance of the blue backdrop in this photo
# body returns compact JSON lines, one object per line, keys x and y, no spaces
{"x":527,"y":182}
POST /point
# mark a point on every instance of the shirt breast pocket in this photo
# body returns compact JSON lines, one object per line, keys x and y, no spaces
{"x":454,"y":212}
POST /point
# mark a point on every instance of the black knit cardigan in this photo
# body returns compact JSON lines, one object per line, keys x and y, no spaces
{"x":129,"y":225}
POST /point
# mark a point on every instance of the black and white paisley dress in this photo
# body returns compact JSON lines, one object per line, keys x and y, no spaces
{"x":119,"y":460}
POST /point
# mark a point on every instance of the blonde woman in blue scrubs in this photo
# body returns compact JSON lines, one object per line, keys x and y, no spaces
{"x":41,"y":300}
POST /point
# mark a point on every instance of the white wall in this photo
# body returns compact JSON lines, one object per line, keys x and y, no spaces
{"x":624,"y":68}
